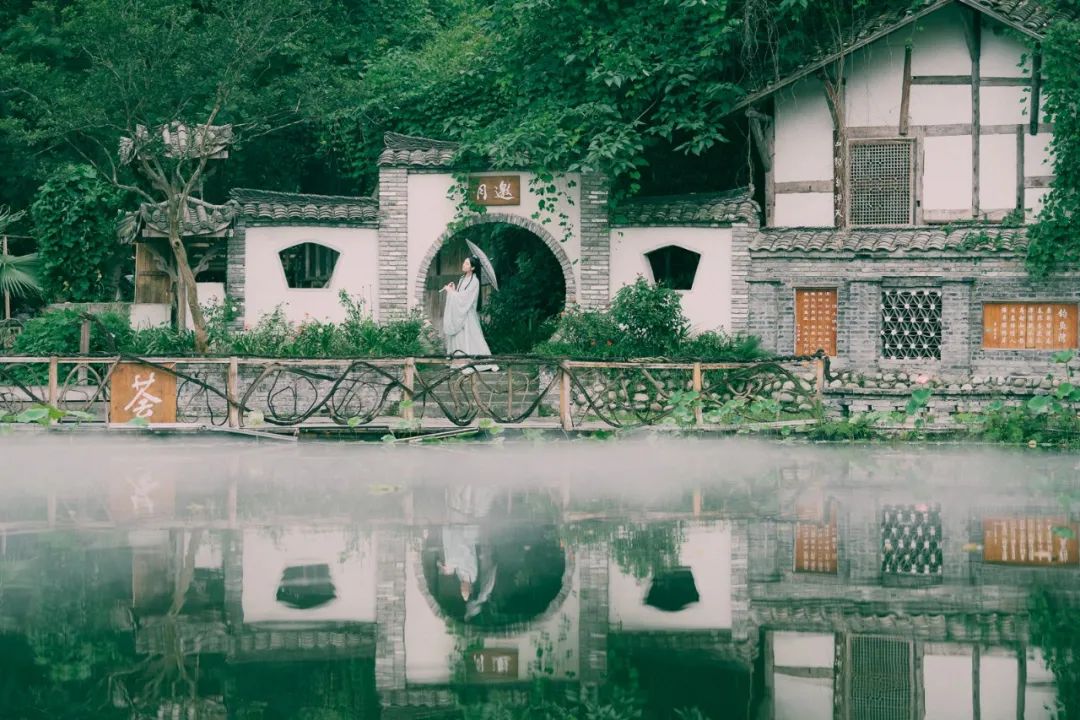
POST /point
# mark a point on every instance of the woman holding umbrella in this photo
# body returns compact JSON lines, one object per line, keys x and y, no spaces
{"x":461,"y":321}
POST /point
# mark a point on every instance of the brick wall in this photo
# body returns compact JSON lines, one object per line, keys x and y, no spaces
{"x":390,"y":547}
{"x":236,"y":258}
{"x":393,"y":242}
{"x":595,"y":242}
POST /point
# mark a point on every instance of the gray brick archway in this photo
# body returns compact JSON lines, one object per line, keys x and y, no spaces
{"x":493,"y":217}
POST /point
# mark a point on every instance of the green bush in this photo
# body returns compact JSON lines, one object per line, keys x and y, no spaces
{"x":718,"y":345}
{"x":650,"y":318}
{"x":56,"y":332}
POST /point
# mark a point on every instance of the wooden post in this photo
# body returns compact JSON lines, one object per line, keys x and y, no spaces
{"x":819,"y":377}
{"x":1021,"y":681}
{"x":84,"y":348}
{"x":564,"y":398}
{"x":509,"y":391}
{"x":232,"y":392}
{"x":697,"y":502}
{"x":976,"y":661}
{"x":233,"y":501}
{"x":54,"y":382}
{"x":699,"y":418}
{"x":974,"y":39}
{"x":905,"y":93}
{"x":1036,"y":87}
{"x":408,"y":379}
{"x":1020,"y":199}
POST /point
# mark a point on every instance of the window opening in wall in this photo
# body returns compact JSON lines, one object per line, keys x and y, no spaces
{"x":1029,"y":326}
{"x":815,"y":321}
{"x":911,"y":324}
{"x":308,"y":265}
{"x":880,"y":183}
{"x":911,"y":540}
{"x":674,"y":267}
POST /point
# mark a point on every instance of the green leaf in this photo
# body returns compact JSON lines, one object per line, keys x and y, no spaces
{"x":138,"y":422}
{"x":353,"y":421}
{"x":1064,"y":390}
{"x":1039,"y":404}
{"x":1064,"y":531}
{"x":1063,"y":356}
{"x":388,"y":438}
{"x":35,"y":414}
{"x":921,"y":396}
{"x":80,"y":415}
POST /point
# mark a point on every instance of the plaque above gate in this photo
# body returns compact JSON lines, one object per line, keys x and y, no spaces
{"x":495,"y":189}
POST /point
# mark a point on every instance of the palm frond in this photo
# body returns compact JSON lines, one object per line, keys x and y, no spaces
{"x":19,"y":275}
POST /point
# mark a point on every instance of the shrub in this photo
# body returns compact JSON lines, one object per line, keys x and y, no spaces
{"x":586,"y":333}
{"x":650,"y":318}
{"x":718,"y":345}
{"x":56,"y":332}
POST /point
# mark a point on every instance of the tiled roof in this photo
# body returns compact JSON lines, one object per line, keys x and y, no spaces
{"x":973,"y":239}
{"x":178,"y":141}
{"x":410,"y":151}
{"x":1031,"y":17}
{"x":200,"y":218}
{"x":268,"y":208}
{"x":987,"y":627}
{"x":696,"y":209}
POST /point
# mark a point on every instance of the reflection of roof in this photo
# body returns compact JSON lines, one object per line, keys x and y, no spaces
{"x":255,"y":643}
{"x":695,"y":209}
{"x":989,"y":628}
{"x":976,"y":239}
{"x":200,"y":218}
{"x":265,"y":207}
{"x":412,"y":151}
{"x":1030,"y":17}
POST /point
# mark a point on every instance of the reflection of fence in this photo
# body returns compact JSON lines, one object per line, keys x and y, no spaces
{"x":239,"y":392}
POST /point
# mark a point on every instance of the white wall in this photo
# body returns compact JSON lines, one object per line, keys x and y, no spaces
{"x":431,"y":212}
{"x":431,"y":650}
{"x":356,"y":272}
{"x":351,"y":557}
{"x":939,"y":46}
{"x":875,"y":78}
{"x":803,"y":134}
{"x":802,"y":698}
{"x":708,"y":303}
{"x":803,"y":649}
{"x":997,"y":172}
{"x":947,"y":686}
{"x":947,"y":173}
{"x":998,"y":683}
{"x":707,"y":552}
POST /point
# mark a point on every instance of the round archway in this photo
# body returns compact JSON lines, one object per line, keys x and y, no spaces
{"x":536,"y":279}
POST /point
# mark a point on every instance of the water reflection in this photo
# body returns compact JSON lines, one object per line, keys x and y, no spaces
{"x":719,"y":580}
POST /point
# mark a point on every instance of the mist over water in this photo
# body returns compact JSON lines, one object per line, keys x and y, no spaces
{"x":208,"y":577}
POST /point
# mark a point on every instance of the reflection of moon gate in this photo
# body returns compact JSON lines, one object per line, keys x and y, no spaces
{"x":533,"y":577}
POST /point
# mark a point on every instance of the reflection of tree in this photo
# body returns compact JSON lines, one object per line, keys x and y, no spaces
{"x":642,"y":550}
{"x":1055,"y":629}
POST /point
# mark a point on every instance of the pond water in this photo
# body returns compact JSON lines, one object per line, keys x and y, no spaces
{"x":197,"y":578}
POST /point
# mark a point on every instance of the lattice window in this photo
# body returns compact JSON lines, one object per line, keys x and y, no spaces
{"x":911,"y":324}
{"x":881,"y":678}
{"x":880,"y":183}
{"x":911,"y":540}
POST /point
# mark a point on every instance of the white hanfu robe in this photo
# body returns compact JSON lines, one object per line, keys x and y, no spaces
{"x":461,"y":322}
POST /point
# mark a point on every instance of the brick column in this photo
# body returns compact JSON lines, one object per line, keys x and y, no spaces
{"x":957,"y":329}
{"x":593,"y":614}
{"x":740,"y":268}
{"x":233,"y":561}
{"x":763,"y":312}
{"x":393,"y":242}
{"x":740,"y":587}
{"x":390,"y":555}
{"x":235,"y":274}
{"x":860,"y":321}
{"x":595,"y":268}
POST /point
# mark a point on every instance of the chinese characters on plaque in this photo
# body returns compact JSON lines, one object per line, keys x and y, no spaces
{"x":815,"y":540}
{"x":1029,"y":325}
{"x":142,"y":391}
{"x":815,"y":321}
{"x":492,"y":664}
{"x":1030,"y":541}
{"x":495,"y":189}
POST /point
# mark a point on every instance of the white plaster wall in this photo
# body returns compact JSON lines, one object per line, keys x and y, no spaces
{"x":1039,"y":699}
{"x":209,"y":294}
{"x":1003,"y":105}
{"x":431,"y":651}
{"x":1001,"y":53}
{"x":947,"y":173}
{"x":998,"y":682}
{"x":874,"y":83}
{"x":707,"y":552}
{"x":940,"y":104}
{"x":1034,"y":199}
{"x":708,"y":303}
{"x":351,"y":557}
{"x":803,"y":142}
{"x":1038,"y":160}
{"x":431,"y":212}
{"x":997,"y":172}
{"x":947,"y":687}
{"x":802,"y":698}
{"x":148,"y":315}
{"x":803,"y":649}
{"x":803,"y":210}
{"x":938,"y":44}
{"x":356,"y":272}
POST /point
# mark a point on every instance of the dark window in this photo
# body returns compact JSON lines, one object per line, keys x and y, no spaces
{"x":674,"y":267}
{"x":308,"y":265}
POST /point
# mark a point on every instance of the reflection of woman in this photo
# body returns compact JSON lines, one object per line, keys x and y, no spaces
{"x":461,"y":321}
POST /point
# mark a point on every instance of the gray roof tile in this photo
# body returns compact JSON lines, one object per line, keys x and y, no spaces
{"x":695,"y":209}
{"x":200,"y":218}
{"x":968,"y":239}
{"x":411,"y":151}
{"x":267,"y":207}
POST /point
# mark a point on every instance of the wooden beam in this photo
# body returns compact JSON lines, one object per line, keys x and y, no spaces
{"x":770,"y":175}
{"x":834,"y":96}
{"x":757,"y":132}
{"x":974,"y":39}
{"x":1005,"y":81}
{"x":1036,"y":87}
{"x":1039,"y":181}
{"x":976,"y":661}
{"x":953,"y":129}
{"x":804,"y":186}
{"x":1021,"y":681}
{"x":905,"y":93}
{"x":804,"y":672}
{"x":1020,"y":180}
{"x":941,"y":80}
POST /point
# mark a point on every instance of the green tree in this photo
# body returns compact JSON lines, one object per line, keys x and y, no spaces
{"x":156,"y":88}
{"x":74,"y":216}
{"x":18,"y":273}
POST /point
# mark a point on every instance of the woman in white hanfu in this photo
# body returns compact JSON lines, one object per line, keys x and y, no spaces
{"x":461,"y":321}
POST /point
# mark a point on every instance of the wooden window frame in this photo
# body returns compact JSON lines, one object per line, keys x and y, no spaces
{"x":913,"y":172}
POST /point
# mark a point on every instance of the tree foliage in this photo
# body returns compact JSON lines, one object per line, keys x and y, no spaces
{"x":74,"y":222}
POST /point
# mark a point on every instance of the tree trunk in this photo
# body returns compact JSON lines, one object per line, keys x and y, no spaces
{"x":186,"y":282}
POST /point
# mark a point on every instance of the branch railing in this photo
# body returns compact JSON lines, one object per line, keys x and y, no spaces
{"x":245,"y":392}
